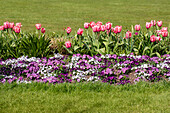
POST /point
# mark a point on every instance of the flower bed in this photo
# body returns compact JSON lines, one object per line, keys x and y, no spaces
{"x":106,"y":55}
{"x":108,"y":68}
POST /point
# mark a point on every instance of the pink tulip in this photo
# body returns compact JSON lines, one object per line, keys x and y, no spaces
{"x":1,"y":28}
{"x":128,"y":34}
{"x":80,"y":31}
{"x":19,"y":25}
{"x":68,"y":30}
{"x":117,"y":29}
{"x":137,"y":27}
{"x":96,"y":28}
{"x":92,"y":24}
{"x":136,"y":33}
{"x":158,"y":38}
{"x":153,"y":22}
{"x":164,"y":33}
{"x":38,"y":26}
{"x":16,"y":29}
{"x":99,"y":23}
{"x":11,"y":25}
{"x":164,"y":29}
{"x":158,"y":32}
{"x":159,"y":23}
{"x":148,"y":25}
{"x":103,"y":28}
{"x":68,"y":44}
{"x":86,"y":25}
{"x":108,"y":25}
{"x":42,"y":30}
{"x":6,"y":25}
{"x":152,"y":38}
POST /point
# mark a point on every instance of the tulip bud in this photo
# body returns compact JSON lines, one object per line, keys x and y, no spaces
{"x":164,"y":33}
{"x":6,"y":25}
{"x":68,"y":44}
{"x":153,"y":22}
{"x":99,"y":23}
{"x":164,"y":29}
{"x":80,"y":31}
{"x":137,"y":27}
{"x":158,"y":38}
{"x":117,"y":29}
{"x":86,"y":25}
{"x":153,"y":38}
{"x":19,"y":25}
{"x":42,"y":30}
{"x":38,"y":26}
{"x":11,"y":25}
{"x":128,"y":34}
{"x":16,"y":29}
{"x":148,"y":25}
{"x":159,"y":23}
{"x":68,"y":30}
{"x":92,"y":24}
{"x":1,"y":28}
{"x":103,"y":28}
{"x":108,"y":25}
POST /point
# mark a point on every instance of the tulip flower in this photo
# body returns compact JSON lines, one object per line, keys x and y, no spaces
{"x":42,"y":30}
{"x":99,"y":23}
{"x":137,"y":27}
{"x":86,"y":25}
{"x":164,"y":33}
{"x":158,"y":32}
{"x":103,"y":28}
{"x":153,"y":38}
{"x":80,"y":31}
{"x":92,"y":24}
{"x":1,"y":28}
{"x":68,"y":44}
{"x":16,"y":29}
{"x":148,"y":25}
{"x":68,"y":30}
{"x":128,"y":34}
{"x":6,"y":25}
{"x":136,"y":33}
{"x":153,"y":22}
{"x":38,"y":26}
{"x":158,"y":38}
{"x":96,"y":28}
{"x":108,"y":25}
{"x":11,"y":25}
{"x":19,"y":25}
{"x":159,"y":23}
{"x":117,"y":29}
{"x":164,"y":29}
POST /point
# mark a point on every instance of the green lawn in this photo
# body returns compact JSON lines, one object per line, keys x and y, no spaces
{"x":83,"y":98}
{"x":54,"y":15}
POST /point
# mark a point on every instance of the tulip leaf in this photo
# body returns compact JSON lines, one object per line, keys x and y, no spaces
{"x":146,"y":48}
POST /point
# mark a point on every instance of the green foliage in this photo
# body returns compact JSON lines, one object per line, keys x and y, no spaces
{"x":14,"y":45}
{"x":35,"y":45}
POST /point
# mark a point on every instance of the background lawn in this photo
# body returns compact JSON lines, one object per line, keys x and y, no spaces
{"x":83,"y":98}
{"x":54,"y":15}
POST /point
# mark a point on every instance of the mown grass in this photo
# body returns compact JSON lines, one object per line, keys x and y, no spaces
{"x":85,"y":97}
{"x":55,"y":15}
